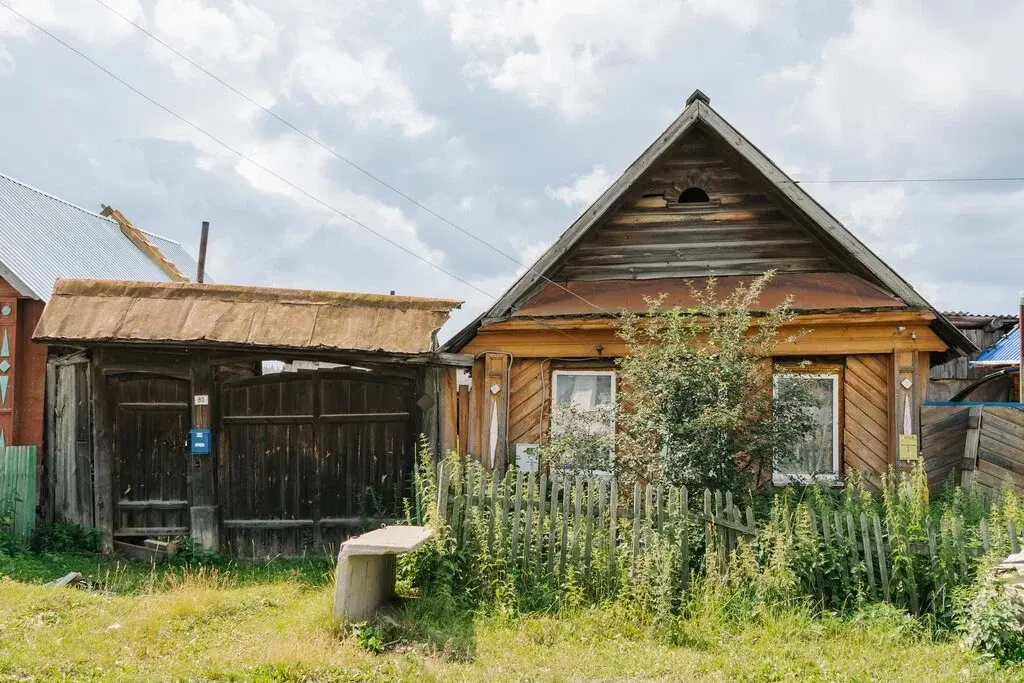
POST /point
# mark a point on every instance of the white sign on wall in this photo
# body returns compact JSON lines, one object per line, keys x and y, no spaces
{"x":201,"y":400}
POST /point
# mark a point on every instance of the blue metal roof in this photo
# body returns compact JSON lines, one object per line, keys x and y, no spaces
{"x":1006,"y":351}
{"x":43,"y":239}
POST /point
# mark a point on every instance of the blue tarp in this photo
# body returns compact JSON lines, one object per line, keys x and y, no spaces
{"x":1006,"y":351}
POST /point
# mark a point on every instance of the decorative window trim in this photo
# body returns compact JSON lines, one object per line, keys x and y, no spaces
{"x":835,"y":375}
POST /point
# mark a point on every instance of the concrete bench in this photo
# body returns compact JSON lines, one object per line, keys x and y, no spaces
{"x":366,"y":569}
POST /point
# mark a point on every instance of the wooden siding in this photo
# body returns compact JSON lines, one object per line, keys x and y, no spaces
{"x":743,"y":229}
{"x":866,"y":389}
{"x":1001,"y":449}
{"x":841,"y":335}
{"x":943,"y":435}
{"x":530,"y":392}
{"x":69,"y":465}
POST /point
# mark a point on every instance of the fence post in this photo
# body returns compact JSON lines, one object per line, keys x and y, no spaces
{"x":529,"y":525}
{"x":613,"y":508}
{"x":494,"y":514}
{"x":590,"y":526}
{"x":883,"y":563}
{"x":684,"y":540}
{"x":636,"y":524}
{"x":866,"y":535}
{"x":542,"y":495}
{"x":553,"y":514}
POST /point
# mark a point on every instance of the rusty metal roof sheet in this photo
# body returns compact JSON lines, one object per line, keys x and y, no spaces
{"x":186,"y":313}
{"x":810,"y":291}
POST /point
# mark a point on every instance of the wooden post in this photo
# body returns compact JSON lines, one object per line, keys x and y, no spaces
{"x":102,"y":452}
{"x":969,"y":462}
{"x":204,"y":236}
{"x":205,"y":523}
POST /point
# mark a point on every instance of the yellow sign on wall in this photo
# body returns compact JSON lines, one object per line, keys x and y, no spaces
{"x":908,"y":447}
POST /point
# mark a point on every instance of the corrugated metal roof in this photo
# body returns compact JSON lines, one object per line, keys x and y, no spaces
{"x":1006,"y":351}
{"x":191,"y":314}
{"x":43,"y":239}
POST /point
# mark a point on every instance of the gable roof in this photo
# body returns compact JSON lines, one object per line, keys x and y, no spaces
{"x":43,"y":239}
{"x":857,"y":257}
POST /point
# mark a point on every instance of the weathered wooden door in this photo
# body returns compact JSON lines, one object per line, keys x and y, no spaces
{"x":151,"y":459}
{"x":303,"y":457}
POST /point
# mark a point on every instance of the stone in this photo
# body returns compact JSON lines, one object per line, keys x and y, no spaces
{"x":365,"y":578}
{"x":72,"y":579}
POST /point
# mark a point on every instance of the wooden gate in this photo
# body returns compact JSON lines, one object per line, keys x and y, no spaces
{"x":151,"y":460}
{"x":305,"y":458}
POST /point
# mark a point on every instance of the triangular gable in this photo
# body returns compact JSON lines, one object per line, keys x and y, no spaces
{"x":840,"y":249}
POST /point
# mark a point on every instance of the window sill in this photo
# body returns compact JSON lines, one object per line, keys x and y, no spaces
{"x":806,"y":480}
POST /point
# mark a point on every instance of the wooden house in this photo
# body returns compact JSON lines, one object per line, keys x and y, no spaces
{"x":703,"y":200}
{"x":282,"y":463}
{"x":42,"y":239}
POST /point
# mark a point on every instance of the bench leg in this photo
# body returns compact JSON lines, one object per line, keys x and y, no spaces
{"x":363,"y":584}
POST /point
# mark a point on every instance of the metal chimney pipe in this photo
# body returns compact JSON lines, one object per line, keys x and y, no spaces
{"x":203,"y":237}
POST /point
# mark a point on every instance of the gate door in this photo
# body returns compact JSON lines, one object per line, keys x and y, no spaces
{"x":151,"y":458}
{"x":304,"y":458}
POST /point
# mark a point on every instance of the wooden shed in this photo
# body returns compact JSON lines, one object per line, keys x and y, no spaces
{"x":297,"y":459}
{"x":703,"y":200}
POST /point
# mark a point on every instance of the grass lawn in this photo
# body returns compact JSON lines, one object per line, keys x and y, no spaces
{"x":272,"y":622}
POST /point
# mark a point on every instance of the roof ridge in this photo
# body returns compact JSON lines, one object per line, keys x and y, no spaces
{"x":96,"y":214}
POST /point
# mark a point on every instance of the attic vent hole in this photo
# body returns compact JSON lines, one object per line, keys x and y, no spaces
{"x":694,"y":195}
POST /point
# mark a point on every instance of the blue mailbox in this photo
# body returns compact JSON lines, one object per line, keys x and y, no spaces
{"x":199,"y":441}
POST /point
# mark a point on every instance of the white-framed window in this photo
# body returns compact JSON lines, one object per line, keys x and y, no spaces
{"x":816,"y":458}
{"x":584,"y":399}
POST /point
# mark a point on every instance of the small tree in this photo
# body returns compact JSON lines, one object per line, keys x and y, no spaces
{"x":697,"y":406}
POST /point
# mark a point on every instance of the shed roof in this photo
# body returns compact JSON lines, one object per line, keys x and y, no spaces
{"x":43,"y":239}
{"x":1006,"y":351}
{"x":91,"y":312}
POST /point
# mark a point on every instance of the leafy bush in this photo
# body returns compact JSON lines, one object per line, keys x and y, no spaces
{"x":992,"y":619}
{"x":697,"y":405}
{"x":64,"y":537}
{"x":190,"y":552}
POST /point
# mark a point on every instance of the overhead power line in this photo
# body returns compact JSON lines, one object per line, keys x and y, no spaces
{"x":263,"y":168}
{"x":377,"y":179}
{"x":995,"y":179}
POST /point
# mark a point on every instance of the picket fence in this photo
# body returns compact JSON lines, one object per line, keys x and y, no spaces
{"x":542,"y":524}
{"x":18,"y":488}
{"x":548,"y":522}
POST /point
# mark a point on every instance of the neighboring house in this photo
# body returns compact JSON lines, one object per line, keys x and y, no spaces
{"x":703,"y":200}
{"x":42,"y":239}
{"x":956,"y":375}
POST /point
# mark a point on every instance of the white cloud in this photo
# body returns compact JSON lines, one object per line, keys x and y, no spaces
{"x":903,"y":67}
{"x":584,"y":190}
{"x":241,"y":34}
{"x":364,"y":85}
{"x":558,"y":52}
{"x":87,"y":21}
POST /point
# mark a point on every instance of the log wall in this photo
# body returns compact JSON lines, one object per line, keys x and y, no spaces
{"x":867,"y":386}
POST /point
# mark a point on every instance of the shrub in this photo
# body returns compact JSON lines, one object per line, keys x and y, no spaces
{"x":64,"y":537}
{"x":697,"y":405}
{"x":992,"y":619}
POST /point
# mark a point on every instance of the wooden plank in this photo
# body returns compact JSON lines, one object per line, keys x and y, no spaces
{"x":103,"y":452}
{"x":542,"y":500}
{"x":684,"y":538}
{"x":553,"y":507}
{"x":518,"y":507}
{"x":986,"y":543}
{"x":883,"y":563}
{"x":577,"y":520}
{"x":268,"y":523}
{"x":125,"y":532}
{"x":613,"y":510}
{"x":869,"y":564}
{"x":566,"y":496}
{"x":710,"y":533}
{"x":1011,"y":530}
{"x":588,"y":551}
{"x":529,"y":524}
{"x":494,"y":513}
{"x":637,"y":511}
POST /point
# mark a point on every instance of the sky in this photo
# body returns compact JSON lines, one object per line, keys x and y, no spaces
{"x":507,"y":117}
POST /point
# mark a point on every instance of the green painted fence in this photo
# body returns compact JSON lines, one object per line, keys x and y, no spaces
{"x":18,"y":488}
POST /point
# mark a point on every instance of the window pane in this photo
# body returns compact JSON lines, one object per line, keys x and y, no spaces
{"x":585,"y":391}
{"x":814,"y":455}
